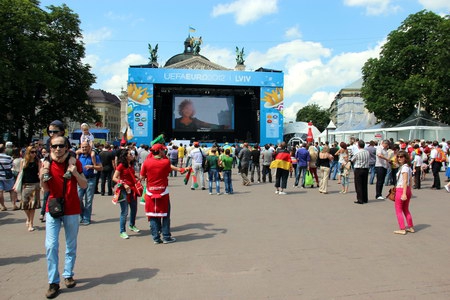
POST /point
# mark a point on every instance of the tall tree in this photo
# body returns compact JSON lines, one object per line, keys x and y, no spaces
{"x":42,"y":76}
{"x":320,"y":117}
{"x":412,"y":69}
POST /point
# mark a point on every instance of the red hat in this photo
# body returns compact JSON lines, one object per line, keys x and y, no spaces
{"x":403,"y":145}
{"x":158,"y":147}
{"x":196,"y":144}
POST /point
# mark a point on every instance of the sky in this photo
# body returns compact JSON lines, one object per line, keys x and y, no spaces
{"x":319,"y":45}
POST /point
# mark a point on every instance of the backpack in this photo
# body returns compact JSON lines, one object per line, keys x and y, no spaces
{"x":440,"y":156}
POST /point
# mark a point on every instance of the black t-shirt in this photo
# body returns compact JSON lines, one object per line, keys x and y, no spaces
{"x":333,"y":151}
{"x":107,"y":158}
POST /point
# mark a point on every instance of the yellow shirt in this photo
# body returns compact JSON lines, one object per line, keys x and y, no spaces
{"x":180,"y":152}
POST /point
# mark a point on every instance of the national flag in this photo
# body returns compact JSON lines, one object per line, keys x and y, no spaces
{"x":191,"y":29}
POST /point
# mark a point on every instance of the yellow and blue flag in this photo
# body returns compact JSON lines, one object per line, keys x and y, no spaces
{"x":191,"y":29}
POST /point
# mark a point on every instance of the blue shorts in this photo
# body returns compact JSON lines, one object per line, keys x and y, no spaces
{"x":6,"y":184}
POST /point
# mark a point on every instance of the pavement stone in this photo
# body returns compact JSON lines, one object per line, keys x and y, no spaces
{"x":253,"y":244}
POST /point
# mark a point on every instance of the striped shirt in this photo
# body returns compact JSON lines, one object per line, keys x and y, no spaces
{"x":6,"y":162}
{"x":361,"y":159}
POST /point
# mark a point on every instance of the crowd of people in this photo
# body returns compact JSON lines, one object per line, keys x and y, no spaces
{"x":128,"y":173}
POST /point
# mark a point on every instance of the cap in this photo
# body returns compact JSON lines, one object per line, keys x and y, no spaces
{"x":403,"y":145}
{"x":158,"y":147}
{"x":8,"y":144}
{"x":58,"y":124}
{"x":196,"y":144}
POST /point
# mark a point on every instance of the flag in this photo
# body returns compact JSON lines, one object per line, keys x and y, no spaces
{"x":191,"y":29}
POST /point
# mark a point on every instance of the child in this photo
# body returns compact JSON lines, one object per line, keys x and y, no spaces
{"x":86,"y":136}
{"x":56,"y":128}
{"x":345,"y":172}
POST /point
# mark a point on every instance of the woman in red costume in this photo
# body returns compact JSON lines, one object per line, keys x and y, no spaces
{"x":156,"y":169}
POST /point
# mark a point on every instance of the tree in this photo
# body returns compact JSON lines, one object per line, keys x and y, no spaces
{"x":42,"y":77}
{"x":412,"y":69}
{"x":320,"y":117}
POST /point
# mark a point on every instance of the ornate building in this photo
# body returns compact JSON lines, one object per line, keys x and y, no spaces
{"x":108,"y":107}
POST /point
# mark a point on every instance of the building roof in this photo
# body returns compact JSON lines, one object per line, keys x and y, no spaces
{"x":101,"y":96}
{"x":420,"y":117}
{"x":357,"y":85}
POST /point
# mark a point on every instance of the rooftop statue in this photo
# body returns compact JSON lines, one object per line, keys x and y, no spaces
{"x":195,"y":44}
{"x":153,"y":54}
{"x":240,"y":56}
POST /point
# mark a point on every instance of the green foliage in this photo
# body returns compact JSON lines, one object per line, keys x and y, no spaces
{"x":320,"y":117}
{"x":412,"y":69}
{"x":42,"y":77}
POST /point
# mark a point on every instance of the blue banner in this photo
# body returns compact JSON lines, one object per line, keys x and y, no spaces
{"x":207,"y":77}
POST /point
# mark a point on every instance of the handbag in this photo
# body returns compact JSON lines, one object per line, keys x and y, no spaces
{"x":119,"y":194}
{"x":56,"y":205}
{"x":391,"y":195}
{"x":309,"y":179}
{"x":139,"y":188}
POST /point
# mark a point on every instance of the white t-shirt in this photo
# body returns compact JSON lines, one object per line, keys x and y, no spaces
{"x":403,"y":169}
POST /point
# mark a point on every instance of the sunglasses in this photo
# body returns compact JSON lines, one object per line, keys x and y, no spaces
{"x":60,"y":146}
{"x":52,"y":131}
{"x":401,"y":156}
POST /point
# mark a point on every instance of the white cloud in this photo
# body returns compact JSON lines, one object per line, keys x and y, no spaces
{"x":436,"y":5}
{"x":91,"y":60}
{"x":97,"y":36}
{"x":290,"y":112}
{"x":220,"y":56}
{"x":293,"y":33}
{"x":374,"y":7}
{"x":246,"y":11}
{"x":115,"y":75}
{"x":322,"y":98}
{"x":288,"y":53}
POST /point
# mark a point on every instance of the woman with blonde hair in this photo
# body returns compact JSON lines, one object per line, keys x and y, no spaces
{"x":323,"y":163}
{"x":30,"y":185}
{"x":313,"y":163}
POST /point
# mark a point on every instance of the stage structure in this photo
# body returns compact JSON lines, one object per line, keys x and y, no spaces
{"x":186,"y":101}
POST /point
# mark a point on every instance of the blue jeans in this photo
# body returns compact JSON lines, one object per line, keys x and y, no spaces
{"x":124,"y":213}
{"x":334,"y":168}
{"x":227,"y":181}
{"x":160,"y":225}
{"x":301,"y":172}
{"x":213,"y":175}
{"x":371,"y":174}
{"x":87,"y":197}
{"x":255,"y":167}
{"x":52,"y":229}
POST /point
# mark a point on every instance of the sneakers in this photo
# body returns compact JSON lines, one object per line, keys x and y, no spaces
{"x":70,"y":282}
{"x":134,"y":229}
{"x":53,"y":291}
{"x":46,"y":177}
{"x":411,"y":229}
{"x":447,"y":188}
{"x":402,"y":232}
{"x":218,"y":194}
{"x":282,"y":193}
{"x":380,"y":198}
{"x":157,"y":242}
{"x":124,"y":235}
{"x":169,"y":240}
{"x":277,"y":191}
{"x":210,"y":193}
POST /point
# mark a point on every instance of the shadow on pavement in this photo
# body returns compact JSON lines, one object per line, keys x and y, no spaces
{"x":20,"y":259}
{"x":140,"y":274}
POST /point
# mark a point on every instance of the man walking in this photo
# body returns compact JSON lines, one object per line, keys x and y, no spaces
{"x":244,"y":159}
{"x":267,"y":158}
{"x":86,"y":194}
{"x":107,"y":158}
{"x":381,"y":167}
{"x":361,"y":170}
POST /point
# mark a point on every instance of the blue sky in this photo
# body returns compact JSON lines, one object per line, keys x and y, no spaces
{"x":320,"y":45}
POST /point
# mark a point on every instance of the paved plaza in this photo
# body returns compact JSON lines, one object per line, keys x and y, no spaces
{"x":250,"y":245}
